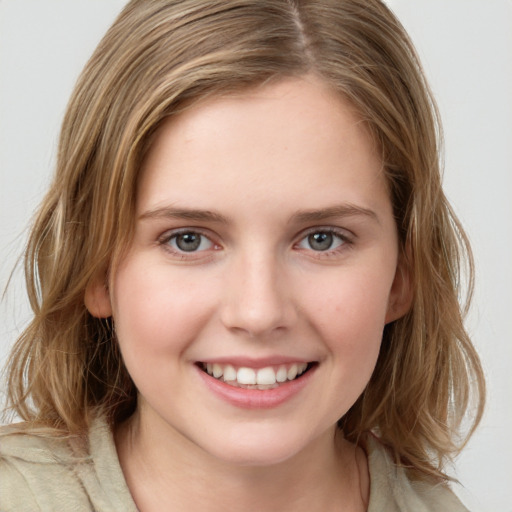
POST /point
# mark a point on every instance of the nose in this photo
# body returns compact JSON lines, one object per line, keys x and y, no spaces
{"x":258,"y":299}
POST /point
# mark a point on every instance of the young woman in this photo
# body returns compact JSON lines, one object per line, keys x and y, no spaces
{"x":245,"y":274}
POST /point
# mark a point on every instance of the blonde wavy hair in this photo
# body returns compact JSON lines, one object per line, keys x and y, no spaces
{"x":161,"y":56}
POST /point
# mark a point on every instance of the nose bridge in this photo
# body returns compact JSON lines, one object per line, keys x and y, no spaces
{"x":257,"y":299}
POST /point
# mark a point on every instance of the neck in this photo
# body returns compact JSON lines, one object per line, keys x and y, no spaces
{"x":166,"y":471}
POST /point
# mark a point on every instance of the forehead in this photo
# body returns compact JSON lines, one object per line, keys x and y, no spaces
{"x":294,"y":139}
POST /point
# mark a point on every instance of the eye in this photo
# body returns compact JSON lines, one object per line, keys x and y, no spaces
{"x":189,"y":241}
{"x":322,"y":240}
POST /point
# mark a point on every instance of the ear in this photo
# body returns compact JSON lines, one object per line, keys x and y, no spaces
{"x":402,"y":293}
{"x":97,"y":297}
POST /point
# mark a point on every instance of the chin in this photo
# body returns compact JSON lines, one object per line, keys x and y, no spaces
{"x":259,"y":449}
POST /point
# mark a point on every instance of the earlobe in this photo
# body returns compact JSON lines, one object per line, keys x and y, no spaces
{"x":97,"y":298}
{"x":401,"y":295}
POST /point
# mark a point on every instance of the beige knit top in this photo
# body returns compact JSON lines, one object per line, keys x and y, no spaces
{"x":41,"y":474}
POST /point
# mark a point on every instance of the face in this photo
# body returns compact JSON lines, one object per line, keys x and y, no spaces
{"x":250,"y":306}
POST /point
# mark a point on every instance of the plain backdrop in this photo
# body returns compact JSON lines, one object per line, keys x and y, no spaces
{"x":466,"y":48}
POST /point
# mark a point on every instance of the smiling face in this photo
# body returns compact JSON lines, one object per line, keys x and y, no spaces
{"x":250,"y":306}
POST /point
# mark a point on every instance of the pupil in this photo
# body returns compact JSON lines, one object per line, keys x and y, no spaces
{"x":188,"y":241}
{"x":320,"y":241}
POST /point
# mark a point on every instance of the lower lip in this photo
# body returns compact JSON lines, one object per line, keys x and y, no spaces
{"x":256,"y":398}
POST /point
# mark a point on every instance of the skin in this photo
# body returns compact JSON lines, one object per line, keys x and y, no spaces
{"x":262,"y":161}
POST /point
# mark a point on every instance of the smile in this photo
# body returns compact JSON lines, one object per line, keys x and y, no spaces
{"x":269,"y":377}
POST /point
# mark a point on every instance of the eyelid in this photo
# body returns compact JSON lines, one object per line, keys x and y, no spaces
{"x":341,"y":232}
{"x":345,"y":235}
{"x":168,"y":235}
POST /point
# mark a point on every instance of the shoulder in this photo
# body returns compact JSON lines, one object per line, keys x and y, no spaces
{"x":36,"y":471}
{"x":19,"y":443}
{"x":393,"y":491}
{"x":41,"y":472}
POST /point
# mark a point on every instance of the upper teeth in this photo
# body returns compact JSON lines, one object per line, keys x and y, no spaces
{"x":262,"y":376}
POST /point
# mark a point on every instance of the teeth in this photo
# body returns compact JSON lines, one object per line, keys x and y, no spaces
{"x":282,"y":374}
{"x":229,"y":373}
{"x":246,"y":376}
{"x":217,"y":371}
{"x":266,"y":376}
{"x":292,"y":372}
{"x":263,"y":378}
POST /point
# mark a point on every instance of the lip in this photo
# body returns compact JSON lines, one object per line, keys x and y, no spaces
{"x":256,"y":364}
{"x":255,"y":398}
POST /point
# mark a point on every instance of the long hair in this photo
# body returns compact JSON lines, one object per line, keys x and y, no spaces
{"x":159,"y":57}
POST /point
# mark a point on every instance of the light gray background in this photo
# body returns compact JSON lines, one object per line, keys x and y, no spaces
{"x":466,"y":47}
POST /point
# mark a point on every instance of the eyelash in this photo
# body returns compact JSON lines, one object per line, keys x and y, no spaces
{"x":344,"y":239}
{"x":345,"y":242}
{"x":165,"y":240}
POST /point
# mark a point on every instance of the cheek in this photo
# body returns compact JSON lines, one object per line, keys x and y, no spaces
{"x":349,"y":314}
{"x":154,"y":309}
{"x":350,"y":298}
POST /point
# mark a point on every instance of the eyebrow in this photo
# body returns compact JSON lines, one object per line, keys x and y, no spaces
{"x":342,"y":210}
{"x":314,"y":215}
{"x":185,"y":214}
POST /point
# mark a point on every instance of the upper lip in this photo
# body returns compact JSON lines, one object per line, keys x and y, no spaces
{"x":248,"y":362}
